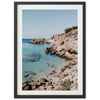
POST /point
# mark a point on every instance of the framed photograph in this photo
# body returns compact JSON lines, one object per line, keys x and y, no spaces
{"x":49,"y":50}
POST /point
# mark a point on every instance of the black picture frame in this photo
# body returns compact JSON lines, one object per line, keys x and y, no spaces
{"x":15,"y":50}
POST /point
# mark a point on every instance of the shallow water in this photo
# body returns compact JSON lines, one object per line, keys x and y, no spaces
{"x":34,"y":59}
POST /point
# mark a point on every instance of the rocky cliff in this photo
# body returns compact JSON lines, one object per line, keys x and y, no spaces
{"x":64,"y":45}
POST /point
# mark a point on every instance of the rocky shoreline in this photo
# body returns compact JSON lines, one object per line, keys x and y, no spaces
{"x":39,"y":41}
{"x":65,"y":46}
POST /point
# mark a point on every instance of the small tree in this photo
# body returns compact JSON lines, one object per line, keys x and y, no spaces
{"x":69,"y":29}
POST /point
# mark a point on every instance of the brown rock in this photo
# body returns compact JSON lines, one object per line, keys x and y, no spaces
{"x":75,"y":70}
{"x":47,"y":50}
{"x":39,"y":83}
{"x":75,"y":61}
{"x":33,"y":73}
{"x":32,"y":80}
{"x":71,"y":50}
{"x":49,"y":87}
{"x":46,"y":83}
{"x":41,"y":87}
{"x":33,"y":87}
{"x":52,"y":52}
{"x":60,"y":54}
{"x":66,"y":66}
{"x":34,"y":83}
{"x":68,"y":55}
{"x":53,"y":72}
{"x":61,"y":76}
{"x":62,"y":69}
{"x":26,"y":88}
{"x":26,"y":75}
{"x":66,"y":74}
{"x":71,"y":63}
{"x":43,"y":80}
{"x":23,"y":85}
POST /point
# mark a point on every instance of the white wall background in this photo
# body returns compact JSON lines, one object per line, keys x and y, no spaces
{"x":7,"y":49}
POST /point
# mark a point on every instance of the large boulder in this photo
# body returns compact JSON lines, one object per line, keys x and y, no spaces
{"x":68,"y":56}
{"x":73,"y":51}
{"x":60,"y":53}
{"x":27,"y":87}
{"x":75,"y":61}
{"x":23,"y":85}
{"x":43,"y":80}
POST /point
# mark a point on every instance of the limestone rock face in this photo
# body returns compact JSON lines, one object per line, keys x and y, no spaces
{"x":64,"y":45}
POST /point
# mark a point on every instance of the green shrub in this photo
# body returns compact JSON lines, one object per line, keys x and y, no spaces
{"x":69,"y":29}
{"x":74,"y":27}
{"x":65,"y":85}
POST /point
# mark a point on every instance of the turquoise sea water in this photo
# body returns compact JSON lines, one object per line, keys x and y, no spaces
{"x":34,"y":59}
